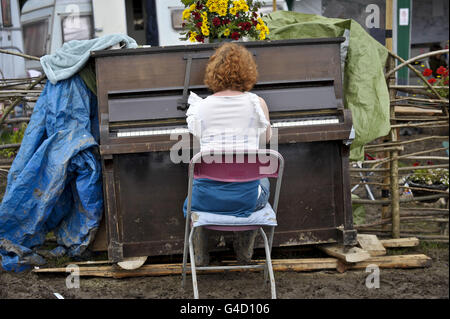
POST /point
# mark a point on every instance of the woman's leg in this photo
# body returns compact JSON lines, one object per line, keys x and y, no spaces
{"x":263,"y":197}
{"x":244,"y":241}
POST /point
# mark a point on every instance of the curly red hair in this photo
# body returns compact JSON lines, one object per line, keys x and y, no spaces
{"x":231,"y":67}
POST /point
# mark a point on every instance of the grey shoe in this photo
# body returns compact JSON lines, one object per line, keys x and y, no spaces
{"x":201,"y":251}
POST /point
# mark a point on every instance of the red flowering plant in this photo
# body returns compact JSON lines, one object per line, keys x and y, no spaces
{"x":222,"y":19}
{"x":441,"y":79}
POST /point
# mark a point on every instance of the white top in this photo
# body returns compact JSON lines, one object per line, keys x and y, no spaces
{"x":227,"y":122}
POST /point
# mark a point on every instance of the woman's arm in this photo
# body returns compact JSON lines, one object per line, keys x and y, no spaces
{"x":266,"y":113}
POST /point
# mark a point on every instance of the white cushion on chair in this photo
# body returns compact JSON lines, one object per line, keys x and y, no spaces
{"x":265,"y":216}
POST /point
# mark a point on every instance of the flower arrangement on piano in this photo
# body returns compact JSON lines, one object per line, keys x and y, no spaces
{"x":223,"y":19}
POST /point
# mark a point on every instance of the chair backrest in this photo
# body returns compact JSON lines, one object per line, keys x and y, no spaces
{"x":227,"y":166}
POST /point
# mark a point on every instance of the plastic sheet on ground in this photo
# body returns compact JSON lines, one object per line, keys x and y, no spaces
{"x":54,"y":183}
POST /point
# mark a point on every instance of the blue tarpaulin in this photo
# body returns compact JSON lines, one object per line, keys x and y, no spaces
{"x":55,"y":182}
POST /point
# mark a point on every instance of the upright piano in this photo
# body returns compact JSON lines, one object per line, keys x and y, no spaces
{"x":142,"y":100}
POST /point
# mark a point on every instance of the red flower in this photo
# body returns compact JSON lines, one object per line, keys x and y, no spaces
{"x":427,"y":72}
{"x":216,"y":21}
{"x":199,"y":24}
{"x":235,"y":35}
{"x":199,"y":6}
{"x":432,"y":81}
{"x":196,"y":15}
{"x":441,"y":70}
{"x":446,"y":82}
{"x":200,"y":38}
{"x":416,"y":164}
{"x":226,"y":21}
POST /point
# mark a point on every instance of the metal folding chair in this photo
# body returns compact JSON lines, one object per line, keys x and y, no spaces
{"x":233,"y":167}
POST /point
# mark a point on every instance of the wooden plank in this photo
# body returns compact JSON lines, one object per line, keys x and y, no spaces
{"x":398,"y":261}
{"x":400,"y":242}
{"x":297,"y":265}
{"x":416,"y":111}
{"x":307,"y":264}
{"x":371,"y":244}
{"x":350,"y":255}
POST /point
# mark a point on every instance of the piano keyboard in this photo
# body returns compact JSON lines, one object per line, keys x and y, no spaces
{"x":183,"y":130}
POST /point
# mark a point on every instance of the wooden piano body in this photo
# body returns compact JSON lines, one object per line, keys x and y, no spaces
{"x":142,"y":97}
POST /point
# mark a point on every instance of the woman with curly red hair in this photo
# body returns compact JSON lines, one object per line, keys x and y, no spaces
{"x":232,"y":118}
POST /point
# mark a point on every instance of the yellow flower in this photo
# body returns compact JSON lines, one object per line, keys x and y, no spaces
{"x":192,"y":7}
{"x":233,"y":10}
{"x":227,"y":32}
{"x":205,"y":31}
{"x":192,"y":37}
{"x":186,"y":14}
{"x":262,"y":35}
{"x":222,"y":12}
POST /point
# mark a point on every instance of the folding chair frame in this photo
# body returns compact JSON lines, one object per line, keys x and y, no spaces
{"x":188,"y":242}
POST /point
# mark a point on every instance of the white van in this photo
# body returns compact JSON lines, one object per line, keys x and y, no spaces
{"x":11,"y":67}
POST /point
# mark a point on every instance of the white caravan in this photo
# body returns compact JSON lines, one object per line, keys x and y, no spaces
{"x":11,"y":67}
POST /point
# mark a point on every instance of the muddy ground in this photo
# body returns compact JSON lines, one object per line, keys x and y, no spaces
{"x":431,"y":282}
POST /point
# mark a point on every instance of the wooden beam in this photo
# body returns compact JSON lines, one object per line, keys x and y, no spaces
{"x":371,"y":244}
{"x":399,"y":261}
{"x":350,"y":255}
{"x":297,"y":265}
{"x":400,"y":242}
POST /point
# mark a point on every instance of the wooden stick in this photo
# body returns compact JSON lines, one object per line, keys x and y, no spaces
{"x":18,"y":100}
{"x":397,"y":87}
{"x":417,"y":99}
{"x":6,"y":146}
{"x":26,"y":56}
{"x":406,"y":168}
{"x":408,"y":62}
{"x":408,"y":142}
{"x":421,"y":124}
{"x":419,"y":74}
{"x":17,"y":120}
{"x":401,"y":200}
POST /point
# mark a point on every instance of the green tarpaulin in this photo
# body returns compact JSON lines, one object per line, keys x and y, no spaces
{"x":365,"y":89}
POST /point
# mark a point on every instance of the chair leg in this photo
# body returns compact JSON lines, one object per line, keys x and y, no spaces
{"x":192,"y":260}
{"x":269,"y":264}
{"x":185,"y":252}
